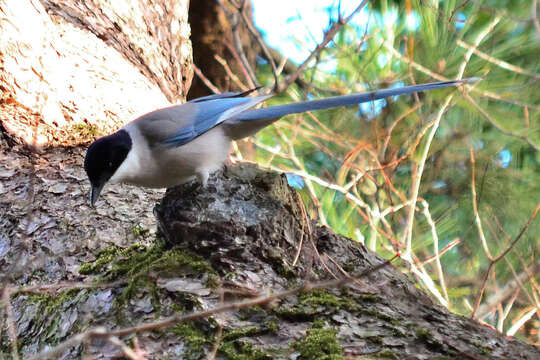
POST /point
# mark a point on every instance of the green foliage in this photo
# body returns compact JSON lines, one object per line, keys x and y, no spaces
{"x":363,"y":161}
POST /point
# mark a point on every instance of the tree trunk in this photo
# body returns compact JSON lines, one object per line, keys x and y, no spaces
{"x":80,"y":68}
{"x":238,"y":237}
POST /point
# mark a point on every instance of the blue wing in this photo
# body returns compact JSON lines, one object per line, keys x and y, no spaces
{"x":200,"y":116}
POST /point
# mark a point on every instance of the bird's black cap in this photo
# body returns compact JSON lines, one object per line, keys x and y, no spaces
{"x":103,"y":158}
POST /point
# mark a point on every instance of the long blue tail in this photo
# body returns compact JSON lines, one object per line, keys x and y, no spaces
{"x":251,"y":121}
{"x":294,"y":108}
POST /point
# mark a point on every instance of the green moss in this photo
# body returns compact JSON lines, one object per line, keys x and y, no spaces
{"x":140,"y":231}
{"x":104,"y":257}
{"x":213,"y":281}
{"x":143,"y":264}
{"x":424,"y":334}
{"x":51,"y":302}
{"x":319,"y":344}
{"x":196,"y":340}
{"x":139,"y":258}
{"x":378,"y":340}
{"x":241,"y":350}
{"x":387,"y":354}
{"x":429,"y":339}
{"x":250,"y":312}
{"x":242,"y":332}
{"x":84,"y":130}
{"x":368,"y":298}
{"x":382,"y":316}
{"x":324,"y":298}
{"x":272,"y":326}
{"x":48,"y":319}
{"x":315,"y":302}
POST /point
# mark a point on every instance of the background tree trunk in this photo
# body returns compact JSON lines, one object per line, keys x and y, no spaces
{"x":212,"y":36}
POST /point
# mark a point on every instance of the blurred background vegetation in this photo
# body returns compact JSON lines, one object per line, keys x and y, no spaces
{"x":358,"y":169}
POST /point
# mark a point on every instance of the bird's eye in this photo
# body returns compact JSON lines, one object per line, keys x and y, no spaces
{"x":110,"y":164}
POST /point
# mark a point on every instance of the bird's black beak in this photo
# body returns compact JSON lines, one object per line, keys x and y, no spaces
{"x":94,"y":194}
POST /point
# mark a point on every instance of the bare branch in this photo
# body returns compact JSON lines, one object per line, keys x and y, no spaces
{"x":262,"y":44}
{"x":328,"y":36}
{"x":500,"y":256}
{"x":233,"y":19}
{"x":205,"y":80}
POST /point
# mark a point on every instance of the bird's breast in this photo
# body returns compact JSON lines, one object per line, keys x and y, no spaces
{"x":162,"y":167}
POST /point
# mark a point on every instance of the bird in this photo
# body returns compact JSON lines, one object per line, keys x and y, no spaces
{"x":174,"y":145}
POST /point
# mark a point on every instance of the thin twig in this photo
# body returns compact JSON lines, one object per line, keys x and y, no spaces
{"x":518,"y":324}
{"x":444,"y":250}
{"x":262,"y":44}
{"x":217,"y":343}
{"x":136,"y":354}
{"x":233,"y":20}
{"x":477,"y":219}
{"x":229,"y":72}
{"x":205,"y":80}
{"x":437,"y":255}
{"x":489,"y":28}
{"x":328,"y":36}
{"x":500,"y":256}
{"x":40,"y":289}
{"x":499,"y":127}
{"x":500,"y":63}
{"x":439,"y":77}
{"x":416,"y":181}
{"x":394,"y":124}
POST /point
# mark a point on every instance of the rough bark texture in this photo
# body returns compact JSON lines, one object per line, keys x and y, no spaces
{"x":241,"y":233}
{"x":69,"y":65}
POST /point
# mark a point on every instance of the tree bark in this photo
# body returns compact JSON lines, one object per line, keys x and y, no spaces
{"x":80,"y":68}
{"x":239,"y":237}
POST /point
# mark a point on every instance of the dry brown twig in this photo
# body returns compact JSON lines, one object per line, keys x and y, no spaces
{"x":205,"y":80}
{"x":133,"y":354}
{"x":328,"y":36}
{"x":492,"y":260}
{"x":219,"y":335}
{"x":231,"y":74}
{"x":255,"y":33}
{"x":18,"y":266}
{"x":235,"y":23}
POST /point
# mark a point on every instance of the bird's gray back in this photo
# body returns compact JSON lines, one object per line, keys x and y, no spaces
{"x":178,"y":125}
